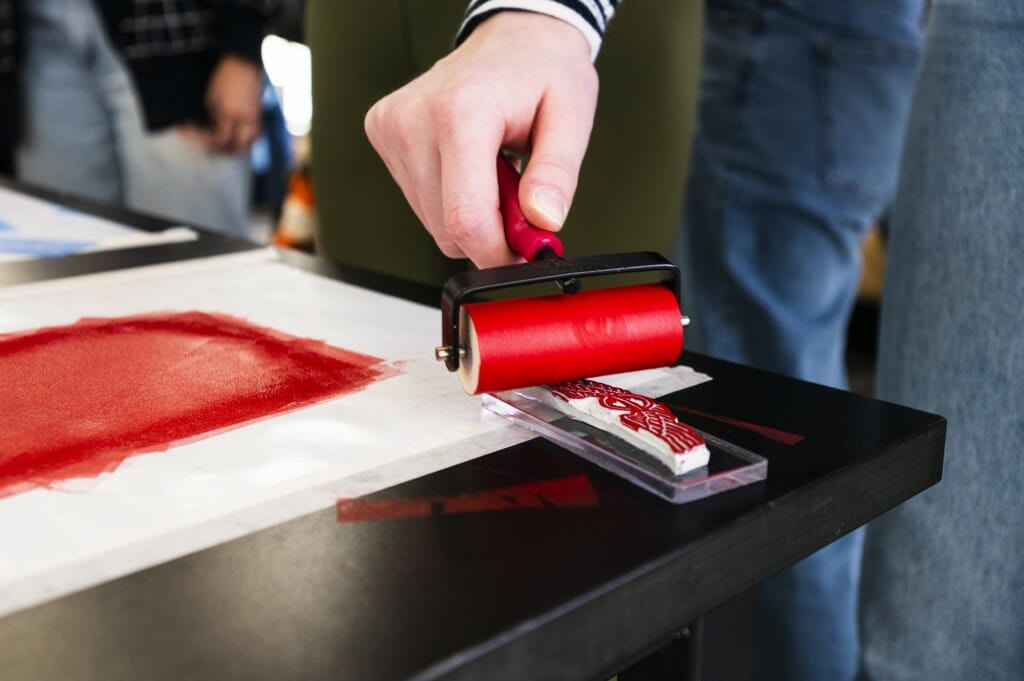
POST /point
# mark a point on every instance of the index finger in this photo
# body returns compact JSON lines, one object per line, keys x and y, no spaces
{"x":469,"y":191}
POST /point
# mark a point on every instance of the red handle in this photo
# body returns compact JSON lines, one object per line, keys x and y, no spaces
{"x":523,"y":238}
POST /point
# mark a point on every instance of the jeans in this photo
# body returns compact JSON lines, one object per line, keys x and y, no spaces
{"x":802,"y":116}
{"x":943,"y":586}
{"x":85,"y":133}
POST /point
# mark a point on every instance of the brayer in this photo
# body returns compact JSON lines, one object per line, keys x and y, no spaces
{"x":504,"y":344}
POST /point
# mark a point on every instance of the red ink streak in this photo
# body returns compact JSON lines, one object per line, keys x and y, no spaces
{"x":574,"y":492}
{"x":770,"y":433}
{"x":78,"y":400}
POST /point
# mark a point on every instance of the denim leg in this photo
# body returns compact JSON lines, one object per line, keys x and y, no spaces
{"x":802,"y":115}
{"x":68,"y":143}
{"x":943,"y":588}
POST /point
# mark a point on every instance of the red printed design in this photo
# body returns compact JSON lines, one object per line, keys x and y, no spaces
{"x":638,"y":412}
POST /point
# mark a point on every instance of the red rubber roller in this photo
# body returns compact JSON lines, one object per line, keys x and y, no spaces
{"x":522,"y":342}
{"x":550,"y":339}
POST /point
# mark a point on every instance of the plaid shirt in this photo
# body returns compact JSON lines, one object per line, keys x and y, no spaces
{"x":145,"y":29}
{"x":172,"y":46}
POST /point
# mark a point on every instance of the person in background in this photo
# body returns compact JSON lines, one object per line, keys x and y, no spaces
{"x":149,"y":105}
{"x":802,"y":116}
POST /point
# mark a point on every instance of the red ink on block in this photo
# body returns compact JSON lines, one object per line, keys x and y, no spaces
{"x":78,"y":400}
{"x":636,"y":412}
{"x":574,"y":492}
{"x":770,"y":433}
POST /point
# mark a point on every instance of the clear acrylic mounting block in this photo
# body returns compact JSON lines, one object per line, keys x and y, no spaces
{"x":729,"y":466}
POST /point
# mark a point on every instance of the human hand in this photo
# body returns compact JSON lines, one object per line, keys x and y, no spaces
{"x":520,"y":80}
{"x":233,"y":99}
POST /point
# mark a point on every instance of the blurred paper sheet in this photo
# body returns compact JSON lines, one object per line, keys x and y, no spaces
{"x":32,"y":228}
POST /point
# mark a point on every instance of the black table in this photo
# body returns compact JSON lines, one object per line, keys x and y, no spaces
{"x":485,"y":577}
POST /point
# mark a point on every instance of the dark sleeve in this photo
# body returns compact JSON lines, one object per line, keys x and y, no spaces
{"x":241,"y":26}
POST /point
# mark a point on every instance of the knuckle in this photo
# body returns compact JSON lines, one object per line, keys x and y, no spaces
{"x":386,"y":130}
{"x":463,"y":221}
{"x":373,"y":122}
{"x":403,"y":131}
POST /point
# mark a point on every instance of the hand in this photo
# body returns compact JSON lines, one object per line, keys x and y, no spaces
{"x":233,"y":99}
{"x":519,"y":80}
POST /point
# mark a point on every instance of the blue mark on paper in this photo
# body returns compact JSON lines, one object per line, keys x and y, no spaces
{"x":42,"y":248}
{"x":6,"y":226}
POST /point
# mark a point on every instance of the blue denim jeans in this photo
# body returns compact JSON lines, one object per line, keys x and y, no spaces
{"x":85,"y":133}
{"x":803,"y":110}
{"x":943,"y":587}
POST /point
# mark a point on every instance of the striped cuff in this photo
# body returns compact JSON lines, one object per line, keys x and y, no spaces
{"x":589,"y":16}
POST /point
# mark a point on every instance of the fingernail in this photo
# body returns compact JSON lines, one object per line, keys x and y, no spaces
{"x":549,"y":202}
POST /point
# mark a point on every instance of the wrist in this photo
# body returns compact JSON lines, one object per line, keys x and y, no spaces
{"x":533,"y":25}
{"x":546,"y":16}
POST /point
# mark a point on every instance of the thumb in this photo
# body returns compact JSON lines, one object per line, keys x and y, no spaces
{"x":560,"y":136}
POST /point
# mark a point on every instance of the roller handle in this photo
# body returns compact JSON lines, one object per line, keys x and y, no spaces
{"x":522,"y":237}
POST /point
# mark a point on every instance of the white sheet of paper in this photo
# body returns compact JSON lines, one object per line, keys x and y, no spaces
{"x":162,"y":505}
{"x":32,"y":228}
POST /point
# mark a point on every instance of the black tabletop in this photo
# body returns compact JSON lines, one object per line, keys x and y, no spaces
{"x":528,"y":563}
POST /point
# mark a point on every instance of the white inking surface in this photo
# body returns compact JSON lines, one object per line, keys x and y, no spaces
{"x":158,"y":506}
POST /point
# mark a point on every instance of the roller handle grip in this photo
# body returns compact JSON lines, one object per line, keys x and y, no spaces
{"x":522,"y":237}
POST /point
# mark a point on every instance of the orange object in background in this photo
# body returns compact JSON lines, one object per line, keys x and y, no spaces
{"x":872,"y":274}
{"x":298,"y":223}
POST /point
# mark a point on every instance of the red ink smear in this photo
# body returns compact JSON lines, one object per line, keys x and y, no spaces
{"x":574,"y":492}
{"x":770,"y":433}
{"x":78,"y":400}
